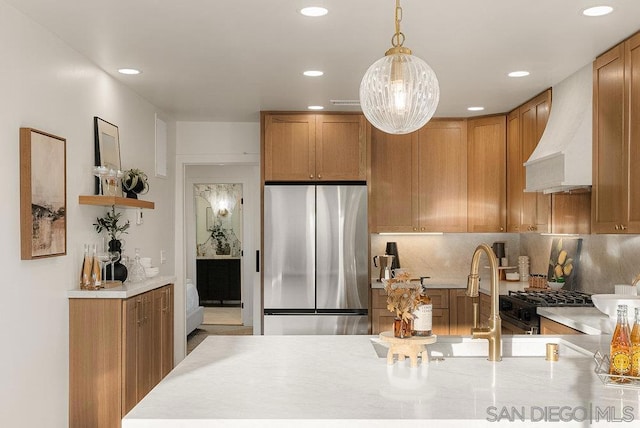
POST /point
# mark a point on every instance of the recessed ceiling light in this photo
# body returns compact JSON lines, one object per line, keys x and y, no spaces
{"x":475,"y":108}
{"x":313,"y":73}
{"x":315,"y":108}
{"x":597,"y":11}
{"x":520,"y":73}
{"x":314,"y":11}
{"x":128,"y":71}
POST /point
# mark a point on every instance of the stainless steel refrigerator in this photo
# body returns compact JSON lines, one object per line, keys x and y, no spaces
{"x":315,"y":259}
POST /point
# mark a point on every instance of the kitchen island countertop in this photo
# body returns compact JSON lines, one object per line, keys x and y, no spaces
{"x":331,"y":381}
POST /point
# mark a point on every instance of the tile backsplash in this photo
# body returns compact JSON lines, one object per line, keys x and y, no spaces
{"x":605,"y":260}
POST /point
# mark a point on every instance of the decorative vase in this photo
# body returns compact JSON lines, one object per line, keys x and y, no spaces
{"x":119,"y":270}
{"x":402,"y":328}
{"x":132,"y":192}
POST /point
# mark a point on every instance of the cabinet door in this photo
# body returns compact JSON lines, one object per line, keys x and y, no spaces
{"x":146,"y":351}
{"x":393,"y":200}
{"x":632,"y":76}
{"x":461,"y":312}
{"x":166,"y":335}
{"x":533,"y":120}
{"x":131,"y":319}
{"x":571,"y":213}
{"x":487,"y":174}
{"x":442,"y":176}
{"x":440,"y":322}
{"x":484,"y":301}
{"x":609,"y":190}
{"x":340,"y":147}
{"x":548,"y":326}
{"x":515,"y":172}
{"x":289,"y":147}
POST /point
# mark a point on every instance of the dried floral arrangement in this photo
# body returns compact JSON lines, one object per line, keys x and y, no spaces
{"x":402,"y":296}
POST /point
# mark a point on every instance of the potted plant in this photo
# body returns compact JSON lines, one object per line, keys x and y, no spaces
{"x":135,"y":182}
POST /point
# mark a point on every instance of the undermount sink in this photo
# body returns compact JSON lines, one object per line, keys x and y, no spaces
{"x":512,"y":346}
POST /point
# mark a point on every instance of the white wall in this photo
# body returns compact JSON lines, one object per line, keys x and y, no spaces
{"x":217,"y":150}
{"x":50,"y":87}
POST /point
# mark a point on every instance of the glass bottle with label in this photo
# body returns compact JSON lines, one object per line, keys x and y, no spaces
{"x":85,"y":273}
{"x":423,"y":316}
{"x":635,"y":345}
{"x":621,"y":348}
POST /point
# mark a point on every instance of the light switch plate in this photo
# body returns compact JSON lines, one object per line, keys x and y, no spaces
{"x":163,"y":257}
{"x":139,"y":219}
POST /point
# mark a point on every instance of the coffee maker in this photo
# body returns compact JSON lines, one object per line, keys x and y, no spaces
{"x":392,"y":250}
{"x":386,"y":263}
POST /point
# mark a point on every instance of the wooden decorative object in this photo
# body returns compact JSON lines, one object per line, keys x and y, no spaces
{"x":408,"y":347}
{"x":43,"y":194}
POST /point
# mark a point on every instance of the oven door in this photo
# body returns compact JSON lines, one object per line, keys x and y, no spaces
{"x":511,"y":325}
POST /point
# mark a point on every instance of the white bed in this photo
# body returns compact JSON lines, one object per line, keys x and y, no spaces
{"x":195,"y":313}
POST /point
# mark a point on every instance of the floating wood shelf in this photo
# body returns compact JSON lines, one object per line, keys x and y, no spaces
{"x":114,"y":200}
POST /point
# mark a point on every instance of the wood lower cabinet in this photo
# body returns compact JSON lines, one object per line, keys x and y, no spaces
{"x":119,"y":349}
{"x":548,"y":326}
{"x":418,"y":180}
{"x":616,"y":139}
{"x":313,"y":147}
{"x":452,"y":311}
{"x":486,"y":184}
{"x":461,"y":312}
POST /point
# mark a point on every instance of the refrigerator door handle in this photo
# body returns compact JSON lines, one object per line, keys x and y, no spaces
{"x":258,"y":261}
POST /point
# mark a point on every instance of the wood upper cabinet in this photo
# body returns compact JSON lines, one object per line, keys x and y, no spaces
{"x":418,"y":180}
{"x":515,"y":173}
{"x":313,"y":147}
{"x":487,"y":174}
{"x":119,"y":349}
{"x":616,"y":140}
{"x":530,"y":211}
{"x":442,"y":176}
{"x":393,"y":202}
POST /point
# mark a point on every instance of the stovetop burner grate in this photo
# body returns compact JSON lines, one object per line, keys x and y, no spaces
{"x":553,"y":298}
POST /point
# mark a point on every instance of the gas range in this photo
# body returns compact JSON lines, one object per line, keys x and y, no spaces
{"x":518,"y":308}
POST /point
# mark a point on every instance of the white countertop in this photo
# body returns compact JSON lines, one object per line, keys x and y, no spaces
{"x":124,"y":291}
{"x":331,"y":381}
{"x":586,"y":320}
{"x":505,"y":286}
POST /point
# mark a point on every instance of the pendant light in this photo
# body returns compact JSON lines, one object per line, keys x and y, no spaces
{"x":399,"y":93}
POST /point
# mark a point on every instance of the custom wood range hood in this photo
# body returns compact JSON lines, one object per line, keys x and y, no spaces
{"x":562,"y":160}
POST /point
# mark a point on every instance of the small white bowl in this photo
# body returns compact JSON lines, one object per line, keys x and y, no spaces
{"x":555,"y":286}
{"x":151,"y":271}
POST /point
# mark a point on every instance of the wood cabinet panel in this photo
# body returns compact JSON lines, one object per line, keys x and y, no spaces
{"x":571,"y":213}
{"x":536,"y":206}
{"x":340,"y":147}
{"x":515,"y":173}
{"x":289,"y":147}
{"x":95,"y":371}
{"x":440,"y":322}
{"x":485,"y":308}
{"x":486,"y":185}
{"x":442,"y":177}
{"x":609,"y":157}
{"x":632,"y":81}
{"x":548,"y":326}
{"x":393,"y":198}
{"x":461,"y":312}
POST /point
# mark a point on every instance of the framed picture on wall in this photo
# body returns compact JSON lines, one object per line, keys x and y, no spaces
{"x":107,"y":154}
{"x":43,"y":194}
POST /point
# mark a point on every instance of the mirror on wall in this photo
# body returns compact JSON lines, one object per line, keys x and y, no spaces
{"x":218,"y":220}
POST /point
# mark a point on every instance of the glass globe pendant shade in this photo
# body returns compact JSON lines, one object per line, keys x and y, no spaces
{"x":399,"y":93}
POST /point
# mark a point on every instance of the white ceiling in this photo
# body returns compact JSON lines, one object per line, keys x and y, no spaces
{"x":212,"y":60}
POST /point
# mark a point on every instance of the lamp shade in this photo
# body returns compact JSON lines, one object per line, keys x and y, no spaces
{"x":399,"y":93}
